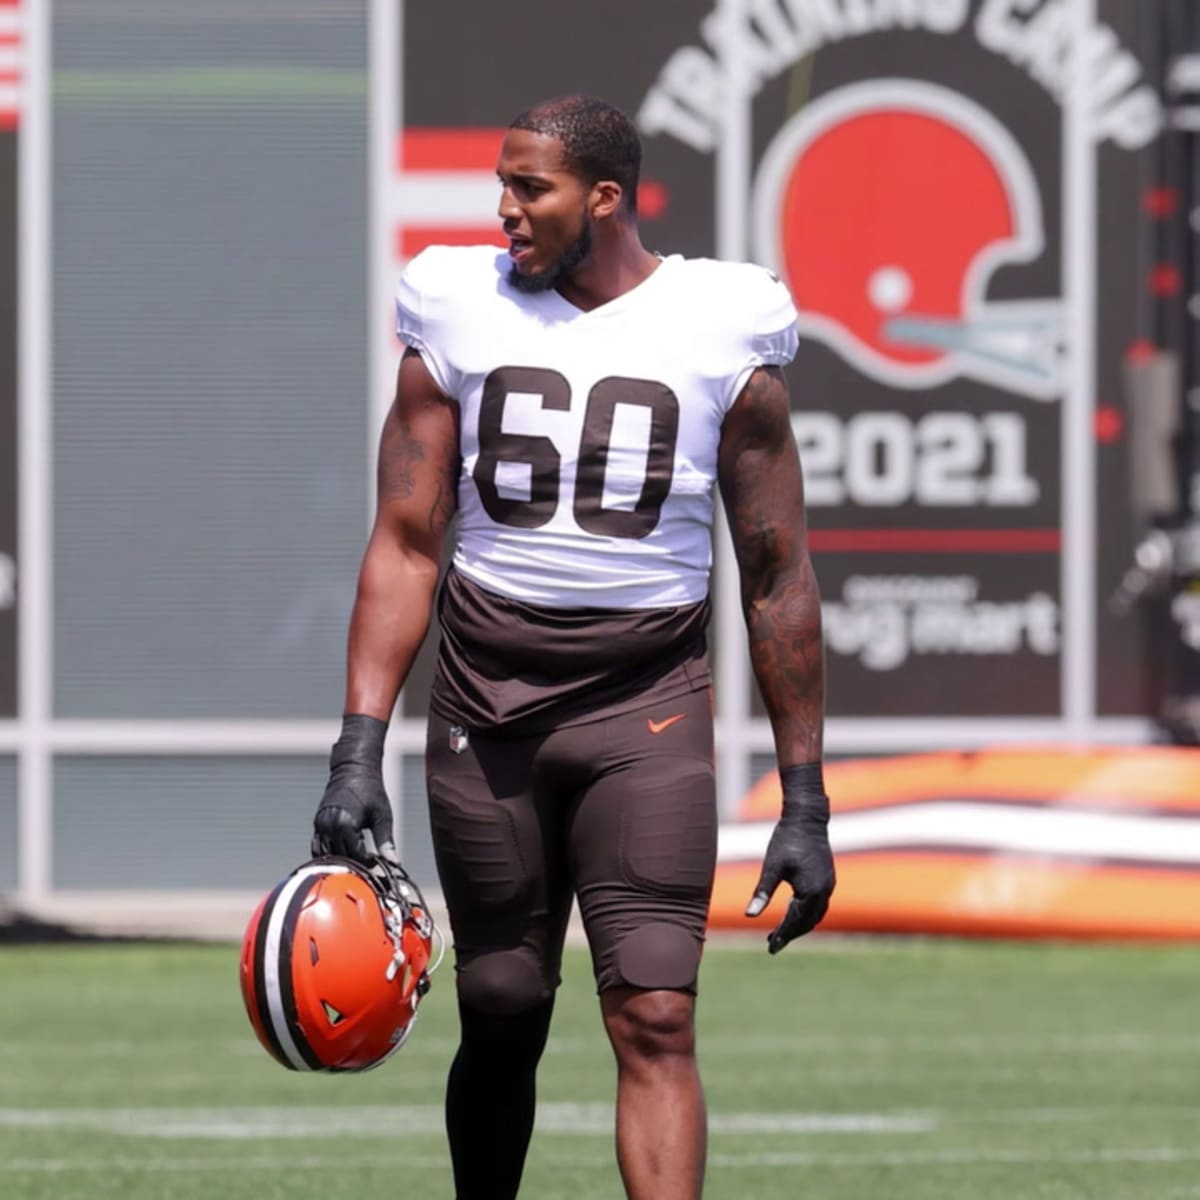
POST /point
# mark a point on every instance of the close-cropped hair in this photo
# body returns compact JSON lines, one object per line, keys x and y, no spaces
{"x":599,"y":141}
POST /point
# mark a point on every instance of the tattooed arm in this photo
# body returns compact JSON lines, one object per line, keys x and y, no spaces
{"x":763,"y":491}
{"x":761,"y":482}
{"x":417,"y":490}
{"x":417,"y":495}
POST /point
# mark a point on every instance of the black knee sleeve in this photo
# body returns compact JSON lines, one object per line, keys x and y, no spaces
{"x":505,"y":1043}
{"x":503,"y":983}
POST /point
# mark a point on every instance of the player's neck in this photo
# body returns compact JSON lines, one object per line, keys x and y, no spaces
{"x":610,"y":271}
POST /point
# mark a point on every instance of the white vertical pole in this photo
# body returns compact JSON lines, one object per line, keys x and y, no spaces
{"x":1079,"y":248}
{"x":734,"y":149}
{"x":732,"y":673}
{"x":384,"y":65}
{"x":384,"y":30}
{"x":35,"y":457}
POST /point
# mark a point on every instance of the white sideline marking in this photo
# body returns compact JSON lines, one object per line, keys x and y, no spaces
{"x":244,"y":1124}
{"x":599,"y":1119}
{"x":100,"y":1165}
{"x":954,"y":1158}
{"x":1072,"y":1114}
{"x":337,"y":1162}
{"x":267,"y":1123}
{"x":431,"y":1046}
{"x":1110,"y":1041}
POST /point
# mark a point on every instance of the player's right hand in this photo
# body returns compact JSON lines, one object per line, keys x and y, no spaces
{"x":354,"y":818}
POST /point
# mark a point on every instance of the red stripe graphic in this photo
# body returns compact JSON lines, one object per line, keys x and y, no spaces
{"x":449,"y":149}
{"x":12,"y":63}
{"x":446,"y":191}
{"x":937,"y":541}
{"x":411,"y":240}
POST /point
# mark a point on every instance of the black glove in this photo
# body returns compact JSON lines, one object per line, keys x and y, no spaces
{"x":799,"y":853}
{"x":354,"y":819}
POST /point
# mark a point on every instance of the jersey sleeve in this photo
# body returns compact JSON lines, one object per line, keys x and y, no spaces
{"x":771,"y":338}
{"x":421,"y":316}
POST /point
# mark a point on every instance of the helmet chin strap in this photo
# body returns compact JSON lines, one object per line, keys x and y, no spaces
{"x":403,"y":903}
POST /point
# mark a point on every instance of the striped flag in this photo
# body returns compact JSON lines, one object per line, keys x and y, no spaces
{"x":12,"y":57}
{"x":446,"y":193}
{"x":446,"y":190}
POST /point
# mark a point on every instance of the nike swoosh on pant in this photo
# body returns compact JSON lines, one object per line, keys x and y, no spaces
{"x":659,"y":726}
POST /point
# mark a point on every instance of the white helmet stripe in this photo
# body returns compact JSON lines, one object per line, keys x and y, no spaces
{"x":272,"y":959}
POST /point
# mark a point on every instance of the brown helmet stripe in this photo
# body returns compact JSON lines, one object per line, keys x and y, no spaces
{"x":272,"y":968}
{"x":287,"y":988}
{"x":262,"y":1008}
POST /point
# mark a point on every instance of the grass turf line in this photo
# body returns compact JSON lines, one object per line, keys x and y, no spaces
{"x":844,"y":1068}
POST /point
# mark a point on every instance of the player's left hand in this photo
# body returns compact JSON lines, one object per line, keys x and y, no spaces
{"x":799,"y":854}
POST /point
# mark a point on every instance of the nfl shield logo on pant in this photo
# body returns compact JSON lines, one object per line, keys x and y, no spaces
{"x":458,"y":739}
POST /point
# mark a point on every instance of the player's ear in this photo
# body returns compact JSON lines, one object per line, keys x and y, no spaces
{"x":606,"y":198}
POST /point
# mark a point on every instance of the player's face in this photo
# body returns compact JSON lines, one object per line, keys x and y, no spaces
{"x":544,"y":209}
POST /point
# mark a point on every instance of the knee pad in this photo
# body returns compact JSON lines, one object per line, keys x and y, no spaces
{"x":503,"y":983}
{"x":658,"y":956}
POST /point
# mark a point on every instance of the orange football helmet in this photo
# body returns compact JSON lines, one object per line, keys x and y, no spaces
{"x":334,"y":963}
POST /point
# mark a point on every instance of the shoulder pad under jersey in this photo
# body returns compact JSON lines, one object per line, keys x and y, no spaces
{"x":434,"y":298}
{"x":750,"y":315}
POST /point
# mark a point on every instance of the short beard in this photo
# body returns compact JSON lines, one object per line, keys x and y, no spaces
{"x":567,"y":263}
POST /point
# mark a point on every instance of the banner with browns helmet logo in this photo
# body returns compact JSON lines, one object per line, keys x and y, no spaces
{"x":908,"y":168}
{"x":11,"y":57}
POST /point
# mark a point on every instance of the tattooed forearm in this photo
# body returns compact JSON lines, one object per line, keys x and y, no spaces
{"x":401,"y":453}
{"x":764,"y":497}
{"x":788,"y":660}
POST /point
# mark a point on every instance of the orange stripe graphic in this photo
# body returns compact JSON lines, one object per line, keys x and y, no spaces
{"x":1105,"y":846}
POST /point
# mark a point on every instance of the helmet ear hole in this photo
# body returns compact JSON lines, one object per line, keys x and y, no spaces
{"x":334,"y":961}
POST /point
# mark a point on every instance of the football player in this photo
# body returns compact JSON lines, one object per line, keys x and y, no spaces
{"x":575,"y":400}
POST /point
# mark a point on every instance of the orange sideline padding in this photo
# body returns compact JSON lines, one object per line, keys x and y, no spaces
{"x":1045,"y":842}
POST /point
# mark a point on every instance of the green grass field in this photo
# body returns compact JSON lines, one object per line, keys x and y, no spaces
{"x":845,"y":1068}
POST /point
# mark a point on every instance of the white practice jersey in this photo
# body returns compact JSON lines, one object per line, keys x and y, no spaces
{"x":589,"y":439}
